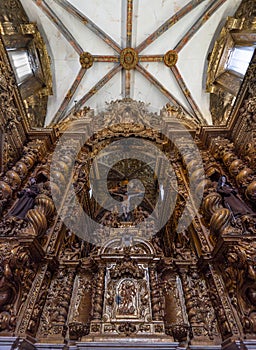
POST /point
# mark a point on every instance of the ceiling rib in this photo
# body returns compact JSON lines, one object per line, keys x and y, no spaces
{"x":126,"y":75}
{"x":187,"y":94}
{"x":57,"y":22}
{"x":64,"y":105}
{"x":89,"y":23}
{"x":127,"y":83}
{"x":214,"y":5}
{"x":161,"y":88}
{"x":151,"y":58}
{"x":105,"y":58}
{"x":94,"y":89}
{"x":168,"y":24}
{"x":129,"y":23}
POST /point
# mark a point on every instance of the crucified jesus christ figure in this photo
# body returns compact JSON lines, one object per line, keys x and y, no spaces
{"x":125,"y":204}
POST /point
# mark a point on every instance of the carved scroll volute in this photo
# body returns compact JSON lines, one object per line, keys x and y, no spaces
{"x":212,"y":203}
{"x":220,"y":217}
{"x":38,"y":221}
{"x":219,"y":221}
{"x":37,"y":217}
{"x":44,"y":204}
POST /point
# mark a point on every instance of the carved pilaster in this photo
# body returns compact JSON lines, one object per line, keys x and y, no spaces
{"x":157,"y":311}
{"x":81,"y":305}
{"x":54,"y":317}
{"x":201,"y":315}
{"x":17,"y":272}
{"x":27,"y":321}
{"x":98,"y":294}
{"x":227,"y":320}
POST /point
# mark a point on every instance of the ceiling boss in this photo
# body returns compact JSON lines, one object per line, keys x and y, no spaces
{"x":86,"y":60}
{"x":170,"y":58}
{"x":129,"y":58}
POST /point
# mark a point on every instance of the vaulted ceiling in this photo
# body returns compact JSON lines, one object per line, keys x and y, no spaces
{"x":153,"y":51}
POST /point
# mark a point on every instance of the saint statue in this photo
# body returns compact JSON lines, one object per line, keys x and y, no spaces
{"x":26,"y":200}
{"x":232,"y":200}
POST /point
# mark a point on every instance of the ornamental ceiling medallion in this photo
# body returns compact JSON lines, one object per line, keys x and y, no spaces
{"x":129,"y":58}
{"x":86,"y":60}
{"x":170,"y":58}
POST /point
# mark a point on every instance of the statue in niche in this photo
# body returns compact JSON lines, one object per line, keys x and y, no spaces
{"x":231,"y":199}
{"x":26,"y":200}
{"x":125,"y":298}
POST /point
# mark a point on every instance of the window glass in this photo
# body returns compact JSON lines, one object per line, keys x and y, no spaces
{"x":239,"y":59}
{"x":21,"y":64}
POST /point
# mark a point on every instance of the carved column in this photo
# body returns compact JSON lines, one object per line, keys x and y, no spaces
{"x":81,"y":305}
{"x":99,"y":289}
{"x":228,"y":322}
{"x":157,"y":311}
{"x":174,"y":317}
{"x":54,"y":317}
{"x":33,"y":306}
{"x":16,"y":274}
{"x":199,"y":308}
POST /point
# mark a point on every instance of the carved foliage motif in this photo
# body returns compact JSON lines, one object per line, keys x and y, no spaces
{"x":200,"y":312}
{"x":240,"y":278}
{"x":12,"y":11}
{"x":220,"y":301}
{"x":54,"y":317}
{"x":16,"y":273}
{"x":11,"y":133}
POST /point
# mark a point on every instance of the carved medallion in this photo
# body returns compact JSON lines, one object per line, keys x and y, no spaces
{"x":86,"y":60}
{"x":129,"y":58}
{"x":170,"y":58}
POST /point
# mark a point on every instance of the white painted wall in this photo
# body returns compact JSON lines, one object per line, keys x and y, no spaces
{"x":148,"y":15}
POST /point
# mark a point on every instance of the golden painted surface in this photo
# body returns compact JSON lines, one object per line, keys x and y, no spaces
{"x":129,"y":58}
